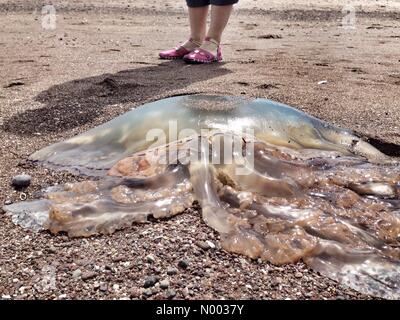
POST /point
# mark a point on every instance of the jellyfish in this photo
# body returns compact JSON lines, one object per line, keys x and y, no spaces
{"x":275,"y":183}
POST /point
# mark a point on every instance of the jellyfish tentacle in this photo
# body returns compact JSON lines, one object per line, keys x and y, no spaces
{"x":213,"y":212}
{"x":363,"y":270}
{"x":263,"y":184}
{"x":275,"y":162}
{"x":103,"y":206}
{"x":106,"y":216}
{"x":202,"y":178}
{"x":31,"y":215}
{"x":265,"y":234}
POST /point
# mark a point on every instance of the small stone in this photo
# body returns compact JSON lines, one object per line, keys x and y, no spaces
{"x":103,"y":288}
{"x":298,"y":274}
{"x":186,"y":292}
{"x":172,"y":271}
{"x":115,"y":287}
{"x":277,"y":281}
{"x":203,"y":245}
{"x":76,"y":274}
{"x":96,"y":285}
{"x":134,"y":293}
{"x":52,"y":249}
{"x":150,"y":281}
{"x":80,"y":262}
{"x":164,"y":284}
{"x":199,"y":273}
{"x":150,"y":258}
{"x":147,"y":292}
{"x":118,"y":259}
{"x":7,"y":202}
{"x":88,"y":275}
{"x":62,"y":296}
{"x":170,"y":294}
{"x":184,"y":264}
{"x":21,"y":181}
{"x":211,"y":244}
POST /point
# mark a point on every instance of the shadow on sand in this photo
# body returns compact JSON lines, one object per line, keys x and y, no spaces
{"x":77,"y":102}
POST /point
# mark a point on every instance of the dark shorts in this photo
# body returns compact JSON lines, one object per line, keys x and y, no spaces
{"x":202,"y":3}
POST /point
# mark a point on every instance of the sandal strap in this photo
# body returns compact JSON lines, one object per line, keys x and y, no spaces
{"x":212,"y":41}
{"x":195,"y":42}
{"x":190,"y":40}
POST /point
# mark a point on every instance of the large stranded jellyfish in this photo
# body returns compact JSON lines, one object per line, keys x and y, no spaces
{"x":276,"y":183}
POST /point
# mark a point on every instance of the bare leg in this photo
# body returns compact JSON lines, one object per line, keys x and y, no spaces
{"x":198,"y":23}
{"x":219,"y":19}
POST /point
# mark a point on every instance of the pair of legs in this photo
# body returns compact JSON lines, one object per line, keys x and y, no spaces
{"x":203,"y":45}
{"x":198,"y":19}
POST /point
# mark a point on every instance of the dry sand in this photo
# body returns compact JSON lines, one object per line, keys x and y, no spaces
{"x":101,"y":60}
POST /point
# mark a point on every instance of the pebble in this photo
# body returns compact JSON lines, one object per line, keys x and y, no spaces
{"x":170,"y":294}
{"x":115,"y":287}
{"x":76,"y":274}
{"x":147,"y":292}
{"x":150,"y":281}
{"x":52,"y":249}
{"x":7,"y":202}
{"x":134,"y":293}
{"x":88,"y":275}
{"x":103,"y":288}
{"x":150,"y":258}
{"x":172,"y":271}
{"x":203,"y":245}
{"x":184,"y":264}
{"x":21,"y":181}
{"x":211,"y":244}
{"x":164,"y":284}
{"x":96,"y":285}
{"x":298,"y":274}
{"x":79,"y":262}
{"x":118,"y":259}
{"x":277,"y":281}
{"x":186,"y":292}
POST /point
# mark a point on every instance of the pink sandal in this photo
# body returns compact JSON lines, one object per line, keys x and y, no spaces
{"x":177,"y":53}
{"x":200,"y":55}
